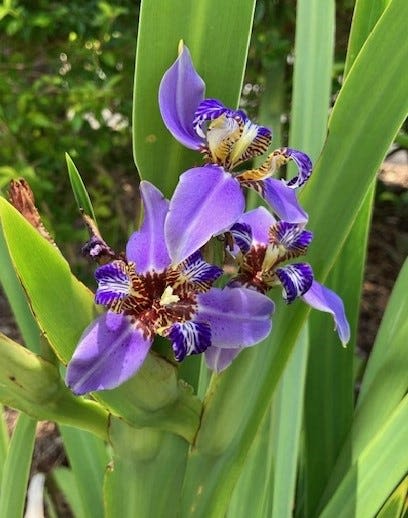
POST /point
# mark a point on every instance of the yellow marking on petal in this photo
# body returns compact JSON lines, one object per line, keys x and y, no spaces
{"x":249,"y":133}
{"x":274,"y":161}
{"x":180,"y":47}
{"x":168,"y":297}
{"x":222,"y":133}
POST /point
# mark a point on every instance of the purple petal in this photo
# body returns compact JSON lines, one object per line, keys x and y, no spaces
{"x":291,"y":237}
{"x":206,"y":202}
{"x":304,"y":165}
{"x":259,"y":220}
{"x":147,"y":247}
{"x":109,"y":352}
{"x":238,"y":317}
{"x":210,"y":109}
{"x":283,"y":201}
{"x":199,"y":272}
{"x":219,"y":359}
{"x":113,"y":282}
{"x":296,"y":279}
{"x":189,"y":338}
{"x":242,"y":234}
{"x":323,"y":299}
{"x":180,"y":93}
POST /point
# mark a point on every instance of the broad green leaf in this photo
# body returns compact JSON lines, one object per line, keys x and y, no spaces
{"x":17,"y":468}
{"x":218,"y":40}
{"x":64,"y":307}
{"x":67,"y":483}
{"x":4,"y":441}
{"x":15,"y":295}
{"x":344,"y":172}
{"x":384,"y":383}
{"x":78,"y":188}
{"x":374,"y":474}
{"x":330,"y":390}
{"x":34,"y":386}
{"x":393,"y":507}
{"x":88,"y":458}
{"x":150,"y":465}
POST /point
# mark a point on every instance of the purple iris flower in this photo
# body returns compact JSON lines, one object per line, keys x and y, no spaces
{"x":263,"y":245}
{"x":226,"y":138}
{"x":146,"y":294}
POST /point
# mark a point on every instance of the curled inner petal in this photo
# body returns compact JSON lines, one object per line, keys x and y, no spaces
{"x":287,"y":240}
{"x":296,"y":279}
{"x":197,"y":273}
{"x":242,"y":234}
{"x":189,"y":338}
{"x":210,"y":109}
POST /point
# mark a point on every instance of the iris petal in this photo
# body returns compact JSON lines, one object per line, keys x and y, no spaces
{"x":219,"y":359}
{"x":146,"y":247}
{"x":109,"y":352}
{"x":201,"y":274}
{"x":238,"y":317}
{"x":113,"y":283}
{"x":304,"y":165}
{"x":207,"y":201}
{"x":259,"y":220}
{"x":321,"y":298}
{"x":242,"y":234}
{"x":180,"y":93}
{"x":189,"y":338}
{"x":296,"y":279}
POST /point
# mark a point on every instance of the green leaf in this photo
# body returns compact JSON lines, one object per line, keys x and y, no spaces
{"x":344,"y":172}
{"x":15,"y":295}
{"x":150,"y":465}
{"x":4,"y":441}
{"x":17,"y":468}
{"x":380,"y":466}
{"x":88,"y":459}
{"x":67,"y":483}
{"x":33,"y":385}
{"x":393,"y":507}
{"x":78,"y":188}
{"x":218,"y":40}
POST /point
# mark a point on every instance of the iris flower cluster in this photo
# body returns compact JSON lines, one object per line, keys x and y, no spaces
{"x":164,"y":286}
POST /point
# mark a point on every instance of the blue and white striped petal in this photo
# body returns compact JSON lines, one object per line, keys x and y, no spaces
{"x":189,"y":338}
{"x":291,"y":237}
{"x":199,"y":273}
{"x":113,"y":283}
{"x":304,"y":165}
{"x":296,"y":279}
{"x":210,"y":109}
{"x":242,"y":234}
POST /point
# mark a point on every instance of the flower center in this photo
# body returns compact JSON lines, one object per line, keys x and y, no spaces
{"x":168,"y":297}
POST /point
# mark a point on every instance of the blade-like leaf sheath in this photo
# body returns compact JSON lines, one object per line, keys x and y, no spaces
{"x":78,"y":188}
{"x":374,"y":474}
{"x":64,"y":308}
{"x":353,"y":151}
{"x":218,"y":40}
{"x":145,"y":477}
{"x":33,"y":385}
{"x":17,"y":468}
{"x":330,"y":391}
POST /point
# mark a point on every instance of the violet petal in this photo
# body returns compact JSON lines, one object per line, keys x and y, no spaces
{"x":238,"y":317}
{"x":207,"y":201}
{"x":283,"y":201}
{"x":189,"y":338}
{"x":109,"y":352}
{"x":260,"y":220}
{"x":219,"y":359}
{"x":146,"y":247}
{"x":181,"y":91}
{"x":321,"y":298}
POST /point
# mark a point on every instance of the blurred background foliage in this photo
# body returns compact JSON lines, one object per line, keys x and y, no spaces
{"x":67,"y":73}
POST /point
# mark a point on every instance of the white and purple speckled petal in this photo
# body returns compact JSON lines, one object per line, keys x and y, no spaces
{"x":304,"y":165}
{"x":291,"y":236}
{"x":147,"y":247}
{"x":109,"y":352}
{"x":181,"y":91}
{"x":238,"y":317}
{"x":210,"y":109}
{"x":219,"y":359}
{"x":189,"y":338}
{"x":296,"y":279}
{"x":206,"y":202}
{"x":242,"y":235}
{"x":199,"y":272}
{"x":113,"y":282}
{"x":321,"y":298}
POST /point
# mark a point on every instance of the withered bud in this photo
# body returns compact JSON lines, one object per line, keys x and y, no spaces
{"x":96,"y":247}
